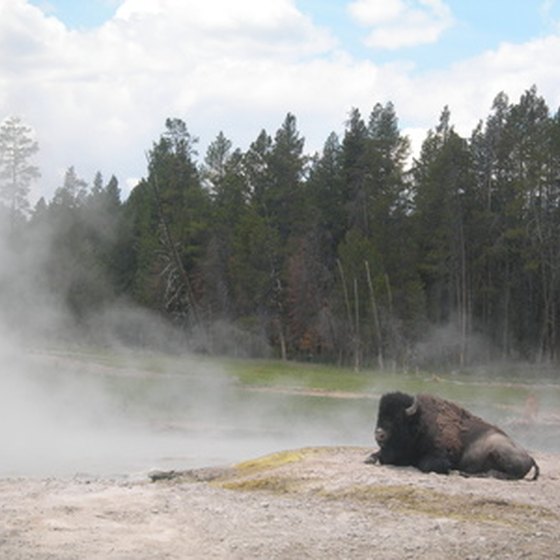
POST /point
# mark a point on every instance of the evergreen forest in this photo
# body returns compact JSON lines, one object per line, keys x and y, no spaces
{"x":363,"y":254}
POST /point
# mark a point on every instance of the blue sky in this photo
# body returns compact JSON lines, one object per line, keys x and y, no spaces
{"x":479,"y":25}
{"x":81,"y":71}
{"x":79,"y":14}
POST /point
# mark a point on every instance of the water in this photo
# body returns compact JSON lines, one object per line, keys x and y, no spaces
{"x":65,"y":415}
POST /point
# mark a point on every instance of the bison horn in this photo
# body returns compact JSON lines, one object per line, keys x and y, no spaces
{"x":413,"y":408}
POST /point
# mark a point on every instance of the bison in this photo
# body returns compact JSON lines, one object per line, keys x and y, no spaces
{"x":436,"y":435}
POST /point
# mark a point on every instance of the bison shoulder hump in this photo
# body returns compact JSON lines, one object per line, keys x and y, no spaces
{"x":444,"y":421}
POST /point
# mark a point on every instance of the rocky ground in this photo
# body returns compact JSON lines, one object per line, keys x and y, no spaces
{"x":311,"y":503}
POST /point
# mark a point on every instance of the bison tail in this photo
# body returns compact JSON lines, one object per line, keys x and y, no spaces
{"x":537,"y":470}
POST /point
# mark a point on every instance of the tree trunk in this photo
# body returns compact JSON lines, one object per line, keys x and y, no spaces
{"x":357,"y":342}
{"x":375,"y":318}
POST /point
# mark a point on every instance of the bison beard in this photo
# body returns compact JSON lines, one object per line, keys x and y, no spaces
{"x":435,"y":435}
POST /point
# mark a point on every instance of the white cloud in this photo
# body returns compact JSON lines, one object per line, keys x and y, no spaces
{"x":470,"y":86}
{"x":402,"y":23}
{"x":224,"y":25}
{"x":373,"y":12}
{"x":99,"y":98}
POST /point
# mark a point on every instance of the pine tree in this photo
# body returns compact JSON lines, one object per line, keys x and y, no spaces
{"x":533,"y":228}
{"x":169,"y":213}
{"x":355,"y":172}
{"x":223,"y":173}
{"x":216,"y":160}
{"x":17,"y":147}
{"x":442,"y":197}
{"x":284,"y":197}
{"x":327,"y":197}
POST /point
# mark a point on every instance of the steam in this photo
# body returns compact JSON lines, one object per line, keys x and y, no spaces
{"x":131,"y":397}
{"x":444,"y":344}
{"x":71,"y":413}
{"x":134,"y":397}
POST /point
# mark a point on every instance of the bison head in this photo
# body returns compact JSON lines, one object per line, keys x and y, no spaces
{"x":396,"y":427}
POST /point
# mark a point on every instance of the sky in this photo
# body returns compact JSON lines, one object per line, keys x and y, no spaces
{"x":96,"y":79}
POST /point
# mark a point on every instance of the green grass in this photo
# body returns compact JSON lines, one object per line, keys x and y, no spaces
{"x":255,"y":397}
{"x":493,"y":395}
{"x":459,"y":386}
{"x":507,"y":385}
{"x":307,"y":387}
{"x":292,"y":374}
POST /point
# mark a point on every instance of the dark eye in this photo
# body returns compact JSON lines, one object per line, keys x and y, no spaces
{"x":386,"y":426}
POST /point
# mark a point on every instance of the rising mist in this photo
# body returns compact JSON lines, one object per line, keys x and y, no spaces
{"x":121,"y":392}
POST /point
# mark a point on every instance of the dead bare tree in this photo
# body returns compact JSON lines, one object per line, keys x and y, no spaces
{"x":177,"y":281}
{"x":375,"y":312}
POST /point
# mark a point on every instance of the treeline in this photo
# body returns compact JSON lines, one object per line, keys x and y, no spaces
{"x":357,"y":255}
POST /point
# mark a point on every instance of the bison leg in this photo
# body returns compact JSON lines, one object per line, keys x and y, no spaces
{"x":513,"y":462}
{"x":434,"y":463}
{"x":498,"y":456}
{"x":373,"y":458}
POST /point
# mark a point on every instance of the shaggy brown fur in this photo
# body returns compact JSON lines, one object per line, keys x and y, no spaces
{"x":434,"y":434}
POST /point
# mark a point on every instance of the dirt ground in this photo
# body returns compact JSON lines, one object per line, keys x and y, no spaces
{"x":311,"y":503}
